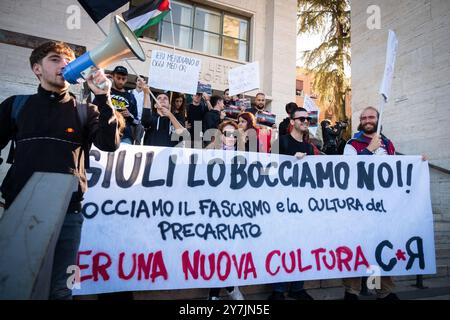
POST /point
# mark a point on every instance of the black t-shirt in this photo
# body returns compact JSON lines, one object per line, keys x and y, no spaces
{"x":196,"y":113}
{"x":289,"y":146}
{"x":211,"y":120}
{"x":159,"y":129}
{"x":181,"y":117}
{"x":252,"y":110}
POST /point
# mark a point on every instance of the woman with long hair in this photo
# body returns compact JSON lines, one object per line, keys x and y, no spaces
{"x":225,"y":139}
{"x":248,"y":132}
{"x":178,"y":107}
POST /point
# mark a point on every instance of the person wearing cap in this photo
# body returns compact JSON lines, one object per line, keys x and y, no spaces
{"x":160,"y":126}
{"x":124,"y":102}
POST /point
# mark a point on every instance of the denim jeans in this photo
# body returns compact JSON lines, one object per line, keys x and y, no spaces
{"x":66,"y":252}
{"x":283,"y":286}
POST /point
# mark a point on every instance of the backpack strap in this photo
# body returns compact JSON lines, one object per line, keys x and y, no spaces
{"x":17,"y":106}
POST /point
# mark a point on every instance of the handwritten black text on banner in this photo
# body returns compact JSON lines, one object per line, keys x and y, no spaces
{"x":174,"y":72}
{"x":161,"y":218}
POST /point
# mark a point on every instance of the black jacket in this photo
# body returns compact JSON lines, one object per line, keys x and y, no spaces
{"x":159,"y":130}
{"x":50,"y":138}
{"x":289,"y":146}
{"x":211,"y":120}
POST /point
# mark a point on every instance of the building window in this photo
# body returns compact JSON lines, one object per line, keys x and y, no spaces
{"x":299,"y":88}
{"x":203,"y":29}
{"x":207,"y":29}
{"x":235,"y":38}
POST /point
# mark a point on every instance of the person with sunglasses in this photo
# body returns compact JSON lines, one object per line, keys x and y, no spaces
{"x":297,"y":144}
{"x":225,"y":139}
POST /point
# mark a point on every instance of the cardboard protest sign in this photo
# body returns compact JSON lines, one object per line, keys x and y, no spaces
{"x":244,"y":78}
{"x":313,"y":111}
{"x":174,"y":72}
{"x":309,"y":104}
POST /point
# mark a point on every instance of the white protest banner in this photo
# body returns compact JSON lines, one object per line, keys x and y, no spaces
{"x":162,"y":218}
{"x":313,"y":111}
{"x":314,"y":124}
{"x":174,"y":72}
{"x":244,"y":78}
{"x":309,"y":104}
{"x":391,"y":54}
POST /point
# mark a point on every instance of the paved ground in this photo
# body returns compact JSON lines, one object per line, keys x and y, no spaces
{"x":437,"y":289}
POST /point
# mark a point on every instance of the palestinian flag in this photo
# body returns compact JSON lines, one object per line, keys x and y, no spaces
{"x":149,"y":13}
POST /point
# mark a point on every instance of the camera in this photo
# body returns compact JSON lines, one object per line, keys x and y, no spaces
{"x":341,"y":124}
{"x":332,"y":137}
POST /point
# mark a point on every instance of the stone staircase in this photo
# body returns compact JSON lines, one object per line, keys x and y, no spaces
{"x":438,"y":285}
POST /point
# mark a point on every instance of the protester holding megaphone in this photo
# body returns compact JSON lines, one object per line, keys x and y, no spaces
{"x":51,"y":131}
{"x":120,"y":44}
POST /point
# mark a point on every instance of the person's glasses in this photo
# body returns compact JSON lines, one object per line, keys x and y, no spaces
{"x":303,"y":119}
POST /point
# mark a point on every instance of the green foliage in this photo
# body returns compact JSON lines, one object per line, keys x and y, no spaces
{"x":328,"y":61}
